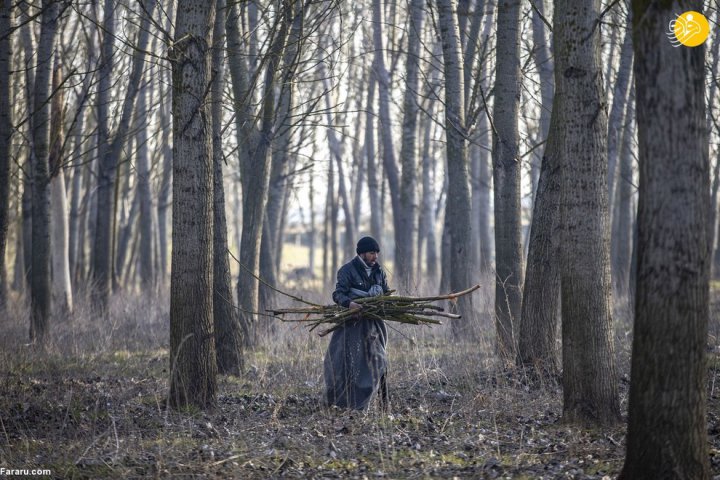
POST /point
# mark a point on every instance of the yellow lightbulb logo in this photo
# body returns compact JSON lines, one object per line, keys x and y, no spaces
{"x":690,"y":29}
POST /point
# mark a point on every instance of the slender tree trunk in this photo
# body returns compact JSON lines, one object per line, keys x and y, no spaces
{"x":622,"y":236}
{"x":125,"y":237}
{"x":372,"y":174}
{"x":147,"y":275}
{"x":164,"y":201}
{"x":228,"y":334}
{"x":485,"y":174}
{"x":192,"y":348}
{"x":28,"y":177}
{"x":667,"y":426}
{"x":27,"y":220}
{"x":110,"y":149}
{"x":76,"y":240}
{"x":620,"y":99}
{"x":40,"y":284}
{"x":458,"y":204}
{"x":335,"y":145}
{"x":590,"y":391}
{"x":537,"y":339}
{"x":102,"y":242}
{"x":426,"y":223}
{"x":544,"y":63}
{"x":255,"y":161}
{"x":382,"y":78}
{"x":312,"y":233}
{"x":62,"y":297}
{"x":506,"y":178}
{"x":407,"y":221}
{"x":6,"y":129}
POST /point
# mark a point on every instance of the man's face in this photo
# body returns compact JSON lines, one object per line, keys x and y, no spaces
{"x":369,"y":258}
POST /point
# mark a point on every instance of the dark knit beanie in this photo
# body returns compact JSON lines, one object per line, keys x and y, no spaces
{"x":367,"y":244}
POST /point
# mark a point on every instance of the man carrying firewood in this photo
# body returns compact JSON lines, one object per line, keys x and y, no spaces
{"x":355,"y":362}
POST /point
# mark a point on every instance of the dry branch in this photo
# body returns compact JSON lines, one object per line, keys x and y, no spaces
{"x":401,"y":309}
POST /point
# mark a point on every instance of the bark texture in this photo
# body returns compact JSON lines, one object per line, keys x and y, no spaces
{"x":110,"y":147}
{"x":667,"y":429}
{"x":62,"y":297}
{"x":537,"y":339}
{"x":6,"y":129}
{"x":228,"y":334}
{"x":40,"y":284}
{"x":192,"y":347}
{"x":506,"y":178}
{"x":458,"y":205}
{"x":590,"y":393}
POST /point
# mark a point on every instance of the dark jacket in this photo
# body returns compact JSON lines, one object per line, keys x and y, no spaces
{"x":353,"y":275}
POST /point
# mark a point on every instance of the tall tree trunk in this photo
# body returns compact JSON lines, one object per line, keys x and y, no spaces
{"x":110,"y":148}
{"x":335,"y":145}
{"x":280,"y":182}
{"x":458,"y":204}
{"x":620,"y":99}
{"x":506,"y":178}
{"x":382,"y":79}
{"x":484,"y":170}
{"x":6,"y":129}
{"x":40,"y":284}
{"x":407,"y":221}
{"x":147,"y":275}
{"x":667,"y":429}
{"x":372,"y":173}
{"x":544,"y":63}
{"x":426,"y":223}
{"x":76,"y":241}
{"x":62,"y":297}
{"x":590,"y":391}
{"x":102,"y":242}
{"x":622,"y":235}
{"x":228,"y":334}
{"x":164,"y":201}
{"x":537,"y":339}
{"x":255,"y":158}
{"x":29,"y":58}
{"x":192,"y":347}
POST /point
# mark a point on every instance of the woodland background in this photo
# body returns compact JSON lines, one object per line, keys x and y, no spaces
{"x":166,"y":167}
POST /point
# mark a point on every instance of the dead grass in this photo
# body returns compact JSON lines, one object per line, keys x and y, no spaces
{"x":93,"y":405}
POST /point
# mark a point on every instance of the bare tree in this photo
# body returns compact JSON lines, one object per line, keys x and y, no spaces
{"x":62,"y":297}
{"x":146,"y":223}
{"x":407,"y":221}
{"x":254,"y":149}
{"x":621,"y":92}
{"x":192,"y":348}
{"x":457,"y":211}
{"x":228,"y":334}
{"x":621,"y":247}
{"x":506,"y":178}
{"x":110,"y":146}
{"x":537,"y":337}
{"x":6,"y":131}
{"x":40,"y":284}
{"x":667,"y":429}
{"x":590,"y":390}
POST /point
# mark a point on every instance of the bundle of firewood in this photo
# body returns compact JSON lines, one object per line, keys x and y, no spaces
{"x":394,"y":308}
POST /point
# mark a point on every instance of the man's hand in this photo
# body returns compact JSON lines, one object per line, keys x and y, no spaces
{"x":355,"y":306}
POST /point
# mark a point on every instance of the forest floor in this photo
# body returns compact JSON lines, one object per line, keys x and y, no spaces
{"x":93,"y":405}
